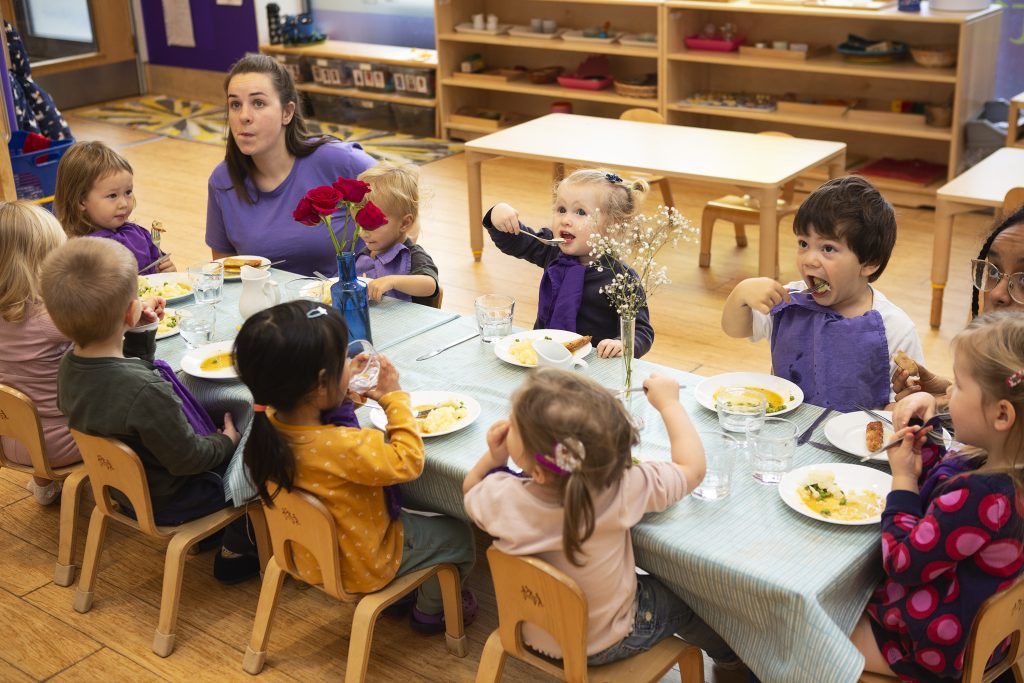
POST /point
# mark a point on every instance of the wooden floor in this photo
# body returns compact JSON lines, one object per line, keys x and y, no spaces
{"x":45,"y":639}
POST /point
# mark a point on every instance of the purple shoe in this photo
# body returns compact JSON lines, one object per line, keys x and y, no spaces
{"x":430,"y":624}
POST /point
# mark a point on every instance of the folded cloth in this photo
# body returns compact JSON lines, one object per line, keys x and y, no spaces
{"x":194,"y":412}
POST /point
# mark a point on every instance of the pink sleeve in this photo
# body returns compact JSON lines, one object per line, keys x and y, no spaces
{"x":651,"y":487}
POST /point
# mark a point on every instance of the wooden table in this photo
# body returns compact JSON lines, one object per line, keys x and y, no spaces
{"x":984,"y":184}
{"x":759,"y":164}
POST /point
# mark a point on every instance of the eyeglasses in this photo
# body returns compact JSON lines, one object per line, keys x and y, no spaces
{"x":987,"y":277}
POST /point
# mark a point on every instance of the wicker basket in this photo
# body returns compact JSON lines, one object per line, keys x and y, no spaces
{"x":644,"y":91}
{"x":934,"y":56}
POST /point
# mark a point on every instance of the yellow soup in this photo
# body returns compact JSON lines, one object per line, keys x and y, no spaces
{"x":218,"y":362}
{"x":775,"y":401}
{"x":849,"y":506}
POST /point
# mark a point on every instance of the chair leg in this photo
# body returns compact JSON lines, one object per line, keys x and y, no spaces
{"x":741,"y":234}
{"x":91,"y":561}
{"x":174,"y":570}
{"x":691,"y":666}
{"x":70,"y":497}
{"x":707,"y":226}
{"x":492,"y":660}
{"x":359,"y":641}
{"x":451,"y":598}
{"x":666,"y":192}
{"x":270,"y":593}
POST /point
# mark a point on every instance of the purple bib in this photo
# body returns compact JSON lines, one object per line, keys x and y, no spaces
{"x":136,"y":239}
{"x":838,"y":362}
{"x":561,"y":293}
{"x":395,"y":261}
{"x":194,"y":412}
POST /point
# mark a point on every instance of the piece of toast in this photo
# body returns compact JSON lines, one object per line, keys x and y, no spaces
{"x":233,"y":263}
{"x":905,"y":362}
{"x":873,"y":435}
{"x":576,"y":344}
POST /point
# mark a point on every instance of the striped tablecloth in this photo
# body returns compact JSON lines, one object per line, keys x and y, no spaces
{"x":784,"y":590}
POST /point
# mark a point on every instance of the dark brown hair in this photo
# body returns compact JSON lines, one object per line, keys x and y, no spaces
{"x":296,"y":134}
{"x":553,"y":406}
{"x":852,"y":210}
{"x":1015,"y":218}
{"x":79,"y":169}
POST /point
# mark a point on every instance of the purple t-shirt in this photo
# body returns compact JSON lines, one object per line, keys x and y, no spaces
{"x":267,"y":228}
{"x":138,"y":241}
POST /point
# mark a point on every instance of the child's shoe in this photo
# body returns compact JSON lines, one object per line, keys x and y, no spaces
{"x":45,"y":495}
{"x":430,"y":624}
{"x":230,"y":568}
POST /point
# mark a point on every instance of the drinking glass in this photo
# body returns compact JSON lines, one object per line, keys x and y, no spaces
{"x":772,"y":444}
{"x":720,"y":451}
{"x":494,"y":316}
{"x":207,"y":280}
{"x":196,"y":324}
{"x":308,"y":289}
{"x":739,"y":407}
{"x":365,"y":366}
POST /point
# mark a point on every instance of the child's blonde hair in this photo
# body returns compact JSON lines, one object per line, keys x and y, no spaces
{"x":79,"y":169}
{"x":555,"y":408}
{"x":396,"y":190}
{"x":622,"y":199}
{"x":993,"y":347}
{"x":87,"y":285}
{"x":27,"y":234}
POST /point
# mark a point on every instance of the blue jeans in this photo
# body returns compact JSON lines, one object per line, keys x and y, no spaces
{"x":434,"y":540}
{"x":659,"y":614}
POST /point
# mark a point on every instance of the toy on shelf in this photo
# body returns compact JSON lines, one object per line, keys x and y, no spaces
{"x":867,"y":51}
{"x":274,"y":24}
{"x":934,"y":56}
{"x":545,"y":74}
{"x":731,"y":100}
{"x":641,"y":86}
{"x":593,"y":73}
{"x":300,"y":30}
{"x":781,"y":49}
{"x":715,"y":38}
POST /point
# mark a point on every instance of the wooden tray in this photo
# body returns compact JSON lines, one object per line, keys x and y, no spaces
{"x":772,"y":53}
{"x":506,"y":119}
{"x":892,"y":118}
{"x":811,"y":109}
{"x":491,"y":75}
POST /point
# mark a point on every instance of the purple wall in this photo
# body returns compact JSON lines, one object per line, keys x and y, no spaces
{"x":382,"y":29}
{"x":223,"y":34}
{"x":1010,"y":69}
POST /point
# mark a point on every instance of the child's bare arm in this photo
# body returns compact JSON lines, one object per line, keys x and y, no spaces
{"x":687,"y":449}
{"x":754,"y":294}
{"x":496,"y":455}
{"x":413,"y":285}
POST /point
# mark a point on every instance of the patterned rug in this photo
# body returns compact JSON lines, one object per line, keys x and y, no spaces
{"x":203,"y":122}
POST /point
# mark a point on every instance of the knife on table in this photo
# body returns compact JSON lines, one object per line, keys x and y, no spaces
{"x":445,"y":348}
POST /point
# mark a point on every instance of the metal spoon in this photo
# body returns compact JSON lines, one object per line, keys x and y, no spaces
{"x":554,"y":241}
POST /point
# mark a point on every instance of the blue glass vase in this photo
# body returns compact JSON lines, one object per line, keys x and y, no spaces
{"x":348,"y":295}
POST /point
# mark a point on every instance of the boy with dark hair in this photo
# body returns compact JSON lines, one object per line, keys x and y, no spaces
{"x":836,"y":338}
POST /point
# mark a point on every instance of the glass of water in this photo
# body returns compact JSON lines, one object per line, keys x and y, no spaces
{"x":207,"y":280}
{"x":772,"y":444}
{"x":740,"y":407}
{"x":196,"y":324}
{"x":365,"y":366}
{"x":309,"y":289}
{"x":494,"y":316}
{"x":720,"y":451}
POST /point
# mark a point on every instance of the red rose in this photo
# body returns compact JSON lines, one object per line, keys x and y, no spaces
{"x":370,"y":217}
{"x":351,"y":190}
{"x":305,"y":213}
{"x":324,"y":199}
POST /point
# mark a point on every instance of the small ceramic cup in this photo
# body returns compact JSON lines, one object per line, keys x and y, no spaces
{"x":537,"y":25}
{"x":550,"y":25}
{"x":478,"y":21}
{"x":492,"y":22}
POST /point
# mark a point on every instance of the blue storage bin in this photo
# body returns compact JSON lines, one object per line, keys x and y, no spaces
{"x":35,"y":173}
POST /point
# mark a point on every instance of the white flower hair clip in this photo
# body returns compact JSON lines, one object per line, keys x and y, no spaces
{"x":567,"y":457}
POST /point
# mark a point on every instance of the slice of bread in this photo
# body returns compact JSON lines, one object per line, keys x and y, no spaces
{"x":234,"y":263}
{"x":905,"y":362}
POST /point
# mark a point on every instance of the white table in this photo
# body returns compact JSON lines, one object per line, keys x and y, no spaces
{"x":984,"y":184}
{"x":759,"y":164}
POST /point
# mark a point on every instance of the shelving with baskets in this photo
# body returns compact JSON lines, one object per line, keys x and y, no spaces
{"x":460,"y":95}
{"x":870,"y":131}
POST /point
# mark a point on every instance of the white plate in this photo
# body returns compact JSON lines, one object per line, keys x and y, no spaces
{"x":501,"y":346}
{"x":158,"y":279}
{"x":705,"y":391}
{"x":848,"y":477}
{"x":633,"y":40}
{"x":578,"y":37}
{"x":425,"y":398}
{"x":307,"y":290}
{"x":264,"y":261}
{"x":527,"y":32}
{"x":846,"y":432}
{"x":168,"y":313}
{"x":191,"y":361}
{"x":467,"y":27}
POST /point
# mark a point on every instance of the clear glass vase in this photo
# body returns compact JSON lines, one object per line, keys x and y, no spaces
{"x":633,"y":400}
{"x":348,"y":295}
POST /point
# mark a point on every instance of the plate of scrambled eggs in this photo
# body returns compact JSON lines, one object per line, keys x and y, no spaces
{"x":837,"y":493}
{"x":168,"y":326}
{"x":171,"y":286}
{"x":783,"y":396}
{"x":213,"y":361}
{"x":438,"y":412}
{"x":517,"y":348}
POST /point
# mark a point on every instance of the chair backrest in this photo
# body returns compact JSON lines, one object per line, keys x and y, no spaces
{"x":299,"y":519}
{"x":1000,"y":616}
{"x":435,"y":301}
{"x":111,"y":464}
{"x":789,"y":188}
{"x":19,"y":420}
{"x":1013,"y":200}
{"x":531,"y":590}
{"x":642,"y":114}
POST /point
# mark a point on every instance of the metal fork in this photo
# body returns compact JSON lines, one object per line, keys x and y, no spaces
{"x":816,"y":289}
{"x":881,"y":450}
{"x":934,"y":437}
{"x":554,"y":241}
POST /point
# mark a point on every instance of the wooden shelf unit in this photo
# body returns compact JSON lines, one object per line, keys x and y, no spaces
{"x":966,"y":86}
{"x":368,"y":95}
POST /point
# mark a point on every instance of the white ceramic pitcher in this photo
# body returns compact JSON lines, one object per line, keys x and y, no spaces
{"x":258,"y":291}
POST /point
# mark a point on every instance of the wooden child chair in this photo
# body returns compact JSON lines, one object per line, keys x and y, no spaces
{"x":740,"y":212}
{"x":111,"y":464}
{"x":531,"y":590}
{"x":19,"y":420}
{"x":297,"y":518}
{"x":1000,"y":617}
{"x":1013,"y":200}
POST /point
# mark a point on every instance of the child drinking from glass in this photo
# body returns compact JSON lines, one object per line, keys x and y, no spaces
{"x":836,"y":338}
{"x":293,"y":359}
{"x":585,"y":203}
{"x":952,"y":529}
{"x":95,"y":197}
{"x":576,"y":500}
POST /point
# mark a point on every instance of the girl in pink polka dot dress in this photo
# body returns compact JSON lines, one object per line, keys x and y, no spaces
{"x":953,"y":524}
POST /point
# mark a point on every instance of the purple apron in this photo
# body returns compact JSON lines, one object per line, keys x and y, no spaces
{"x":136,"y":239}
{"x":561,"y":293}
{"x":838,"y":362}
{"x":395,"y":261}
{"x":194,"y":412}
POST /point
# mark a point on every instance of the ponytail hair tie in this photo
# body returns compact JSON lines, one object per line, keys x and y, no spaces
{"x":613,"y":178}
{"x":567,"y":457}
{"x":1015,"y":379}
{"x":259,"y":408}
